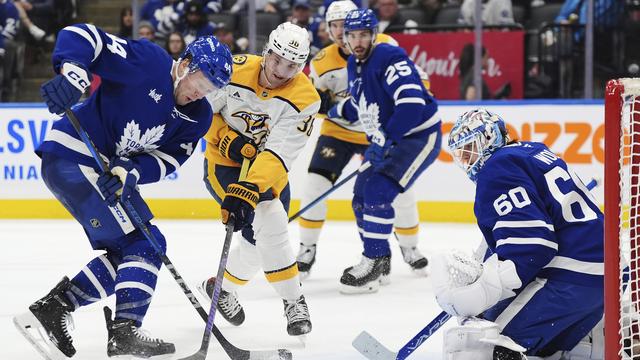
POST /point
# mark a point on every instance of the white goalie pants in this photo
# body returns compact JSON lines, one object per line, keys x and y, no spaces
{"x":406,"y":213}
{"x":272,"y":253}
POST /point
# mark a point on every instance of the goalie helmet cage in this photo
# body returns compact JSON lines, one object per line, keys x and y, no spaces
{"x":622,"y":219}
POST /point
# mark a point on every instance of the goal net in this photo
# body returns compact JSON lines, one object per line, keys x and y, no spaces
{"x":622,"y":219}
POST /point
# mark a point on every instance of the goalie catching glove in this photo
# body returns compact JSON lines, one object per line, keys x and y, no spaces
{"x":465,"y":287}
{"x":236,"y":147}
{"x":240,"y":203}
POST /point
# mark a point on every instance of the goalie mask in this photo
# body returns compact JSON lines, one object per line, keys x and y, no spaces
{"x":475,"y":136}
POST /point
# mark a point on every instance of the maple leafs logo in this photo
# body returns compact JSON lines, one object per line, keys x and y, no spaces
{"x":131,"y":142}
{"x":368,"y":115}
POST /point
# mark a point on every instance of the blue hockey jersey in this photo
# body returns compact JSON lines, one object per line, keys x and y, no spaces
{"x":387,"y":93}
{"x":536,"y":212}
{"x":133,"y":113}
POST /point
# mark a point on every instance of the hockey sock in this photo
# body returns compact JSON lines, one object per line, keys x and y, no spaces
{"x":136,"y":278}
{"x":242,"y":265}
{"x":96,"y":281}
{"x":378,"y":214}
{"x":312,"y":220}
{"x":276,"y":254}
{"x":406,"y":221}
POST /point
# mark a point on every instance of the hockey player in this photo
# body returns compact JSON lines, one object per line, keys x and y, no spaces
{"x":266,"y":116}
{"x":146,"y":118}
{"x":339,"y":140}
{"x":540,"y":287}
{"x":399,"y":117}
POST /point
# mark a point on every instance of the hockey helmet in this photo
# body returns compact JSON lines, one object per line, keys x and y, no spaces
{"x":475,"y":136}
{"x":290,"y":42}
{"x":338,"y":10}
{"x":211,"y":57}
{"x":361,"y":19}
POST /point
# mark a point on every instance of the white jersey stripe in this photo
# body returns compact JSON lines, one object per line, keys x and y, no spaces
{"x":425,"y":125}
{"x":84,"y":34}
{"x":98,"y":48}
{"x":410,"y":100}
{"x":378,"y":220}
{"x":422,"y":156}
{"x":405,"y":87}
{"x":168,"y":158}
{"x":522,"y":224}
{"x":161,"y":165}
{"x":519,"y":302}
{"x":527,"y":241}
{"x":584,"y":267}
{"x":371,"y":235}
{"x":67,"y":141}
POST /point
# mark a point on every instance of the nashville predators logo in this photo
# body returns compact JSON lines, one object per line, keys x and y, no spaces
{"x":255,"y":124}
{"x":327,"y":152}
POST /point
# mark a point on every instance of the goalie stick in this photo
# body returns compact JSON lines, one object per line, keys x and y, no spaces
{"x":232,"y":351}
{"x":373,"y":349}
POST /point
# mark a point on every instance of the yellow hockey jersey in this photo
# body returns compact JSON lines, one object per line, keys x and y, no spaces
{"x":328,"y":71}
{"x":278,"y":120}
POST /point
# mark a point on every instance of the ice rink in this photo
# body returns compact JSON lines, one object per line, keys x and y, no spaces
{"x":38,"y":253}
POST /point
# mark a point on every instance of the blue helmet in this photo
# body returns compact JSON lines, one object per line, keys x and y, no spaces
{"x":360,"y":19}
{"x":475,"y":136}
{"x":211,"y":57}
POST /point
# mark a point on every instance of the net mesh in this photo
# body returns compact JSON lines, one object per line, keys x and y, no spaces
{"x":629,"y":167}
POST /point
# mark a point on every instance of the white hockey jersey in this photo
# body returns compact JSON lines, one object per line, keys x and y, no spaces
{"x":278,"y":120}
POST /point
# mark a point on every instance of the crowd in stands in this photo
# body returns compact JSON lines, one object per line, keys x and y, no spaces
{"x":173,"y":24}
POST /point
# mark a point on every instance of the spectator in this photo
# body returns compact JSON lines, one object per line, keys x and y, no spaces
{"x":225,"y":36}
{"x":41,"y":13}
{"x":163,"y":15}
{"x":209,"y":6}
{"x":175,"y":45}
{"x":388,"y":15}
{"x":431,"y":9}
{"x":606,"y":13}
{"x":195,"y":23}
{"x":467,"y":87}
{"x":33,"y":29}
{"x":126,"y":23}
{"x":146,"y":31}
{"x":494,"y":12}
{"x":270,"y":6}
{"x":301,"y":16}
{"x":10,"y":22}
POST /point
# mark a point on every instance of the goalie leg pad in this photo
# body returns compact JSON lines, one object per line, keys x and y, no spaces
{"x":478,"y":339}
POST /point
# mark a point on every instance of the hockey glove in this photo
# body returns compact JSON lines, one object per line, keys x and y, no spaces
{"x":65,"y":89}
{"x":237,"y":147}
{"x":378,"y":149}
{"x":326,"y":101}
{"x":120,"y":182}
{"x":240,"y":203}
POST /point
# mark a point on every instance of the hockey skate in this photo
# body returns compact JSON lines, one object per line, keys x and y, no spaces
{"x":306,"y":258}
{"x":228,"y":304}
{"x":126,"y":339}
{"x":367,"y":276}
{"x":415,"y":259}
{"x":298,"y":319}
{"x":46,"y":326}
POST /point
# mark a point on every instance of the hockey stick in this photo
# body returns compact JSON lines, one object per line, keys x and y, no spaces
{"x":373,"y":349}
{"x":201,"y":354}
{"x":362,"y":168}
{"x":232,"y":351}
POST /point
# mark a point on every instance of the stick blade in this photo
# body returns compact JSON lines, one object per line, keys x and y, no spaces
{"x":280,"y":354}
{"x":371,"y":348}
{"x":200,"y":355}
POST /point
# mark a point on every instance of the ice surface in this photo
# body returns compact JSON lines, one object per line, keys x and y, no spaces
{"x":38,"y":253}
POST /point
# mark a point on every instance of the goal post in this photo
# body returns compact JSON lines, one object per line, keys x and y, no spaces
{"x":622,"y":219}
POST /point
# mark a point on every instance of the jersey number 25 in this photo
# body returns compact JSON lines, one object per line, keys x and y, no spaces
{"x":396,"y":70}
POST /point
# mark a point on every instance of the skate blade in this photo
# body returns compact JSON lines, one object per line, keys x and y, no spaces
{"x":32,"y":330}
{"x":304,"y":275}
{"x":302,"y":339}
{"x":421,"y":272}
{"x":371,"y":348}
{"x":385,"y":280}
{"x":133,"y":357}
{"x":203,"y":291}
{"x":367,"y":288}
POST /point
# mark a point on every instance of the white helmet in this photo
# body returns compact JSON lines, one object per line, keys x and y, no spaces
{"x":338,"y":10}
{"x":289,"y":41}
